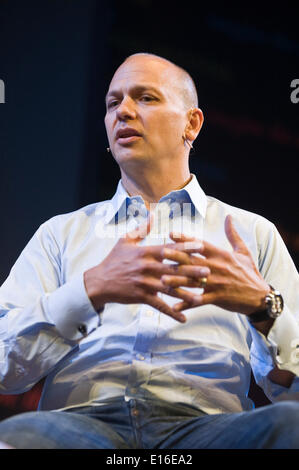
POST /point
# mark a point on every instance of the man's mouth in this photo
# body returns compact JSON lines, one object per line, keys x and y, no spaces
{"x":127,"y":135}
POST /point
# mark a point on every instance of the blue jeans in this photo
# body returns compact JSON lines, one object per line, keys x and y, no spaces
{"x":153,"y":425}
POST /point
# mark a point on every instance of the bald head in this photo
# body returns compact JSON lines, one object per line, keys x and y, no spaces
{"x":158,"y":100}
{"x":184,"y":82}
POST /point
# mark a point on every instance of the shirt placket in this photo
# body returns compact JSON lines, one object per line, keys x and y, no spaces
{"x":148,"y":326}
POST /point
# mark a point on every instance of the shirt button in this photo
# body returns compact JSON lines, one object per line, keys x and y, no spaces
{"x":135,"y":412}
{"x":19,"y":370}
{"x":140,"y":357}
{"x":82,"y":329}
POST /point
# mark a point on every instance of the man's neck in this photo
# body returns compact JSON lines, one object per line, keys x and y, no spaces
{"x":152,"y":190}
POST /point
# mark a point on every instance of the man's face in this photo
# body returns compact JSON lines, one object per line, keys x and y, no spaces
{"x":146,"y":116}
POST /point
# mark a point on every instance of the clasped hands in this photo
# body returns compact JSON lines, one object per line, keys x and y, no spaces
{"x":133,"y":274}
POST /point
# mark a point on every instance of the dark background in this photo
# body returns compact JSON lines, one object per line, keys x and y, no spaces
{"x":57,"y":58}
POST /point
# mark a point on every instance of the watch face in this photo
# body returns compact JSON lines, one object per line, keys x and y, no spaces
{"x":275,"y":304}
{"x":275,"y":314}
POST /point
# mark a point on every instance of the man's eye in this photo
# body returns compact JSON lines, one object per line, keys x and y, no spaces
{"x":112,"y":103}
{"x":147,"y":98}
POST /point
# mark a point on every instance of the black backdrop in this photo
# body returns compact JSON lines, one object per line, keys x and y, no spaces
{"x":56,"y":60}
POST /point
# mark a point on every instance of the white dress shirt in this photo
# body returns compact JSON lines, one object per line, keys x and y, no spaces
{"x":49,"y":328}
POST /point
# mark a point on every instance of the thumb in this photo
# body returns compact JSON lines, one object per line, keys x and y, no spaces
{"x":233,"y":237}
{"x":141,"y":231}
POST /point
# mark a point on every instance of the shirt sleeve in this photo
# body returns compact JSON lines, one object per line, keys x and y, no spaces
{"x":41,"y":319}
{"x":281,"y":346}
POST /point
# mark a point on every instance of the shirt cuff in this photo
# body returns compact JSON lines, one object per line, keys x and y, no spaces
{"x":282,"y":343}
{"x":71,"y":311}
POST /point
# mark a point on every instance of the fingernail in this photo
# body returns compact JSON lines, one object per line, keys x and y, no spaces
{"x":197,"y":299}
{"x":193,"y":245}
{"x":176,"y":235}
{"x":182,"y":318}
{"x":204,"y":272}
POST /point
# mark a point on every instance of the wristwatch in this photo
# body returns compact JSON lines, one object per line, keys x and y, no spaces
{"x":274,"y":302}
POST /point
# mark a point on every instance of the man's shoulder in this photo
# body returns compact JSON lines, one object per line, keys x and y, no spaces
{"x":84,"y":214}
{"x":249,"y":224}
{"x":217,"y":206}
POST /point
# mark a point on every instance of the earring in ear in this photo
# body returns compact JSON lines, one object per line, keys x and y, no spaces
{"x":186,"y":141}
{"x":108,"y":149}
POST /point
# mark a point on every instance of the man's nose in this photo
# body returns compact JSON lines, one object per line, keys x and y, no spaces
{"x":126,"y":109}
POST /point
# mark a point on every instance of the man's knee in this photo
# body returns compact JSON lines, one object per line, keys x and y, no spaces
{"x":285,"y":412}
{"x":58,"y":430}
{"x":283,"y":420}
{"x":25,"y":430}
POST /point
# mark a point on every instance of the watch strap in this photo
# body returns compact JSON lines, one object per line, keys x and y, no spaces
{"x":274,"y":302}
{"x":259,"y":316}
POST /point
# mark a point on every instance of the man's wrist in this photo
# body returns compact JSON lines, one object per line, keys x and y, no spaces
{"x":92,"y":287}
{"x":272,"y":306}
{"x":70,"y":310}
{"x":264,"y":326}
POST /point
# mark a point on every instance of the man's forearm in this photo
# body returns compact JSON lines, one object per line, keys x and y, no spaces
{"x":281,"y":377}
{"x":278,"y":376}
{"x":264,"y":326}
{"x":92,"y":286}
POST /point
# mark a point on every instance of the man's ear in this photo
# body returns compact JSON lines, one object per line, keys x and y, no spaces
{"x":195,"y":122}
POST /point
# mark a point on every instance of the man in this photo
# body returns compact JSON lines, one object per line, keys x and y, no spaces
{"x":147,"y":312}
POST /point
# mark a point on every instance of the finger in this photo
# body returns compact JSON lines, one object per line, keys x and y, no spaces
{"x":180,"y":237}
{"x":157,"y":285}
{"x":208,"y":250}
{"x":163,"y":307}
{"x":193,"y":272}
{"x":178,"y":292}
{"x":188,"y":246}
{"x":180,"y":306}
{"x":186,"y":259}
{"x":169,"y":251}
{"x":159,"y":269}
{"x":181,"y":281}
{"x":178,"y":256}
{"x":158,"y":251}
{"x":233,"y":237}
{"x":197,"y":301}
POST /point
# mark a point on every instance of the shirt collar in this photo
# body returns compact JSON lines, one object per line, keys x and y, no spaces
{"x":192,"y":191}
